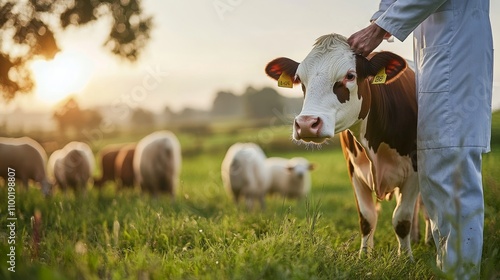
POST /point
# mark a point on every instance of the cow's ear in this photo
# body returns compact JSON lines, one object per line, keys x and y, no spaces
{"x":275,"y":68}
{"x":393,"y":64}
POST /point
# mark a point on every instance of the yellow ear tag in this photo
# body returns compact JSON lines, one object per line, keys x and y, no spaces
{"x":285,"y":81}
{"x":380,"y":77}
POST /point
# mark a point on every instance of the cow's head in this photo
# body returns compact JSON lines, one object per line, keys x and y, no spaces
{"x":331,"y":76}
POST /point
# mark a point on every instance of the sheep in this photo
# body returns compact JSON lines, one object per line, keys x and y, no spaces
{"x":107,"y":157}
{"x":289,"y":177}
{"x":157,"y":163}
{"x":124,"y":169}
{"x":72,"y":166}
{"x":244,"y":174}
{"x":28,"y":158}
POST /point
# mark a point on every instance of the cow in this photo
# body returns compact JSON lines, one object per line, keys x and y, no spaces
{"x":290,"y":178}
{"x":244,"y":173}
{"x":371,"y":102}
{"x":124,"y":169}
{"x":157,"y":163}
{"x":72,"y":166}
{"x":29,"y":160}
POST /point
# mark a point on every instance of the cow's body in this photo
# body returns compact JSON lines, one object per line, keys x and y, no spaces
{"x":382,"y":156}
{"x":377,"y":125}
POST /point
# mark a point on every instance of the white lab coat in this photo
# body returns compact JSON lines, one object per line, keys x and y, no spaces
{"x":453,"y":49}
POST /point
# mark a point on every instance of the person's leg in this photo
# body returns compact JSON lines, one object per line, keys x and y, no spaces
{"x":451,"y":187}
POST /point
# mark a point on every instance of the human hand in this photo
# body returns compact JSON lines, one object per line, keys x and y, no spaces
{"x":367,"y":39}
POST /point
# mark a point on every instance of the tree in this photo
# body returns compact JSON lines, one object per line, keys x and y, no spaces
{"x":69,"y":115}
{"x":141,"y":117}
{"x":262,"y":103}
{"x":27,"y":32}
{"x":227,"y":104}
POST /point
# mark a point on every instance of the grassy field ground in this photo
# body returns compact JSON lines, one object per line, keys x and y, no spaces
{"x":123,"y":234}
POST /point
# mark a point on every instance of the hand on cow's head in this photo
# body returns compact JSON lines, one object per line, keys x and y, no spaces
{"x":394,"y":66}
{"x":275,"y":68}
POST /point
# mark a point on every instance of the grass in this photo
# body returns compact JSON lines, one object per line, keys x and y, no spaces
{"x":123,"y":234}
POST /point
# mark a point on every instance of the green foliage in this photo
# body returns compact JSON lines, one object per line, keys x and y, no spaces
{"x":27,"y":31}
{"x":124,"y":234}
{"x":495,"y":130}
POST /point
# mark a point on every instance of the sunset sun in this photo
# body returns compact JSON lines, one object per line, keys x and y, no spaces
{"x":66,"y":74}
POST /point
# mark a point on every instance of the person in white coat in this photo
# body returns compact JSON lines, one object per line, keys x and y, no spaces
{"x":453,"y":49}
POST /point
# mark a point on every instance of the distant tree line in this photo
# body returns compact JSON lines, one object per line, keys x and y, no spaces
{"x":69,"y":116}
{"x":253,"y":104}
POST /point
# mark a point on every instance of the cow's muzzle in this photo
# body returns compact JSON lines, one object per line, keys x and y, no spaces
{"x":308,"y":128}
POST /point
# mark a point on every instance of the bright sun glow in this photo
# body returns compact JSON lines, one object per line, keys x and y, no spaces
{"x":67,"y":74}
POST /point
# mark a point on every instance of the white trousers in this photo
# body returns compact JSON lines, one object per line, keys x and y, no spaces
{"x":452,"y":191}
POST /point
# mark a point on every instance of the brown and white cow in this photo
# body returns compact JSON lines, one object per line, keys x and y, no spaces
{"x":377,"y":125}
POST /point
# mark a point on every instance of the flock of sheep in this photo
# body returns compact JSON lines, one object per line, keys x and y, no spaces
{"x":154,"y":163}
{"x":247,"y":173}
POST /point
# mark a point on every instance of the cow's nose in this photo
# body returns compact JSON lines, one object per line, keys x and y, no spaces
{"x":307,"y":126}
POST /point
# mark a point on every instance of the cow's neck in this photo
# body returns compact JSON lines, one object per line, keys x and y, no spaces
{"x":390,"y":119}
{"x":356,"y":128}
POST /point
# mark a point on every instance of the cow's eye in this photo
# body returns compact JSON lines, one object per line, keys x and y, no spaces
{"x":350,"y":76}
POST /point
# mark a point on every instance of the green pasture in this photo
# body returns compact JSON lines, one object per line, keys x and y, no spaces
{"x":124,"y":234}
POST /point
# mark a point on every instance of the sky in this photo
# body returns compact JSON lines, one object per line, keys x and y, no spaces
{"x":200,"y":47}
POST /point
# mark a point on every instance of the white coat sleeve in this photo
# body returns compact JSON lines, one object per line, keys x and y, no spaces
{"x":403,"y":16}
{"x":383,"y":6}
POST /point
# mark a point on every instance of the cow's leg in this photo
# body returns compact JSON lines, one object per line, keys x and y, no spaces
{"x":403,"y":214}
{"x":367,"y":214}
{"x":428,"y":232}
{"x":415,"y":225}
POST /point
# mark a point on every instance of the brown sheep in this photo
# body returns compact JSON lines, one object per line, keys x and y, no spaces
{"x":124,"y":169}
{"x":107,"y":157}
{"x":27,"y":158}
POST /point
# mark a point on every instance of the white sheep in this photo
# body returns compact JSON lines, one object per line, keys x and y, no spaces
{"x":157,"y":162}
{"x":72,"y":166}
{"x":244,"y":173}
{"x":289,"y":177}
